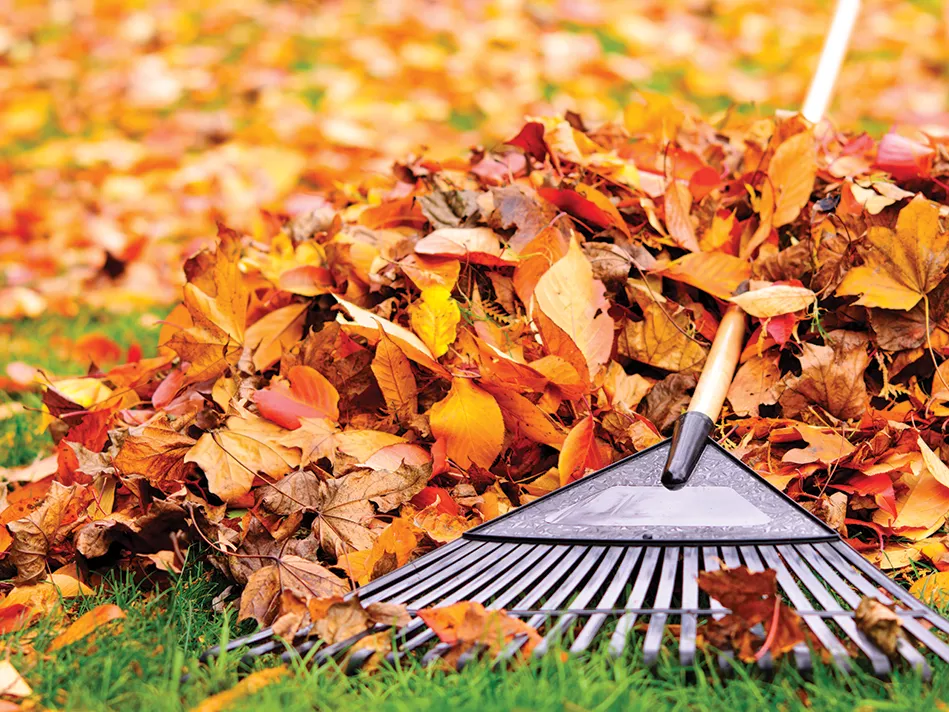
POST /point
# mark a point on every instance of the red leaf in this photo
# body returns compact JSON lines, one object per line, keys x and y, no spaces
{"x":430,"y":495}
{"x":904,"y":158}
{"x":309,"y":395}
{"x":530,"y":139}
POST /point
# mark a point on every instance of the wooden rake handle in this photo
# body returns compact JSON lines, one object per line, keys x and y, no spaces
{"x":694,"y":426}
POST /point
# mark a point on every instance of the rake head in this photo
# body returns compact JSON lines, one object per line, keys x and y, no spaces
{"x":602,"y":556}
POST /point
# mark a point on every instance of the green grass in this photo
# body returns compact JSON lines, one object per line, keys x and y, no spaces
{"x":47,"y":343}
{"x":136,"y":664}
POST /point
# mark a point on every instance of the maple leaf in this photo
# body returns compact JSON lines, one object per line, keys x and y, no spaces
{"x":155,"y":450}
{"x":37,"y":535}
{"x":344,"y":504}
{"x":569,"y":296}
{"x":661,"y":339}
{"x":305,"y":579}
{"x":902,"y":265}
{"x":753,"y":600}
{"x":831,"y":377}
{"x":469,"y":623}
{"x":231,"y":457}
{"x":470,"y":422}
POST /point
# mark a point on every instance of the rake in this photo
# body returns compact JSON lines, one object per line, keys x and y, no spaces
{"x":622,"y":548}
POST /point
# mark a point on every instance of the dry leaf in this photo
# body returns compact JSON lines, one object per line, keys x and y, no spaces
{"x":470,"y":422}
{"x":87,"y":624}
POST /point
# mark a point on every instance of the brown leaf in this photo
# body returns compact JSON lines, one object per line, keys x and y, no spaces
{"x":831,"y":377}
{"x":43,"y":531}
{"x":306,"y":579}
{"x":756,"y":384}
{"x":880,"y":624}
{"x":232,"y":456}
{"x":662,"y":340}
{"x":156,"y":450}
{"x":136,"y":530}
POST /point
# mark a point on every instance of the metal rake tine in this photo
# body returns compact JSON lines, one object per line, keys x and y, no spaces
{"x":846,"y":592}
{"x":500,"y":571}
{"x":878,"y":660}
{"x":558,"y":596}
{"x":636,"y":597}
{"x":563,"y":558}
{"x":614,"y":590}
{"x":259,"y":636}
{"x":415,"y":568}
{"x":688,"y":625}
{"x":330,"y":651}
{"x":584,"y":596}
{"x":802,"y":654}
{"x":864,"y":585}
{"x":657,"y":621}
{"x":799,"y":600}
{"x":465,"y":565}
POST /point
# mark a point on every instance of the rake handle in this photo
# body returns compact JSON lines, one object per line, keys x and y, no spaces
{"x":694,"y":426}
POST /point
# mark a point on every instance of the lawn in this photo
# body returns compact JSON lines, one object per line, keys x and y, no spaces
{"x":137,"y":664}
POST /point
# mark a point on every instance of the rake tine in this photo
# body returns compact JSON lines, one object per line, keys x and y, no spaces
{"x":712,"y":562}
{"x":562,"y":560}
{"x":690,"y":599}
{"x":259,"y":636}
{"x":636,"y":597}
{"x":730,"y":557}
{"x":330,"y":651}
{"x":517,"y":554}
{"x":358,"y":659}
{"x":657,"y":621}
{"x":878,"y":660}
{"x":802,"y":654}
{"x":799,"y":600}
{"x":473,"y":653}
{"x":583,"y":597}
{"x":614,"y":590}
{"x":557,"y":597}
{"x":466,"y":566}
{"x":415,"y":569}
{"x":879,"y":578}
{"x":813,"y":556}
{"x":910,"y":625}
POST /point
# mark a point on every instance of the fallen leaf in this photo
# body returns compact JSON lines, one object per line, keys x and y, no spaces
{"x":87,"y":624}
{"x":470,"y":422}
{"x":435,"y":319}
{"x":308,"y":395}
{"x":791,"y":172}
{"x":902,"y":265}
{"x":582,"y":452}
{"x":250,"y":685}
{"x":661,"y":340}
{"x":569,"y":296}
{"x":12,"y":683}
{"x":774,"y":300}
{"x":880,"y":624}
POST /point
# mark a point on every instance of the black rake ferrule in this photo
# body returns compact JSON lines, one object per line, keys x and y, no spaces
{"x":688,"y":442}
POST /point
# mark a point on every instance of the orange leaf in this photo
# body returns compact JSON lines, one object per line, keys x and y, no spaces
{"x":717,"y":273}
{"x":792,"y":171}
{"x":569,"y":296}
{"x":678,"y":203}
{"x":582,"y":451}
{"x":86,"y":624}
{"x":471,"y":424}
{"x":309,"y":395}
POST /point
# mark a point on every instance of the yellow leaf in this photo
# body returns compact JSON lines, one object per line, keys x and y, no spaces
{"x":717,"y":273}
{"x":246,"y":687}
{"x":933,"y":589}
{"x":902,"y":265}
{"x":232,"y":456}
{"x":774,"y":300}
{"x":86,"y":624}
{"x":661,"y":340}
{"x":569,"y":296}
{"x":470,"y":422}
{"x":520,"y":415}
{"x":367,"y":324}
{"x":792,"y":171}
{"x":719,"y":233}
{"x":435,"y":319}
{"x":274,"y":333}
{"x":393,"y":373}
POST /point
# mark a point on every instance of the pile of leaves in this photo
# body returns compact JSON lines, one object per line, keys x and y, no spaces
{"x":364,"y":382}
{"x":127,"y":129}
